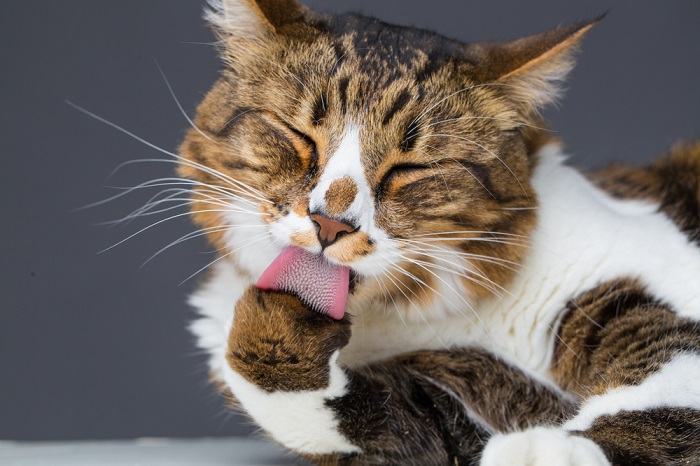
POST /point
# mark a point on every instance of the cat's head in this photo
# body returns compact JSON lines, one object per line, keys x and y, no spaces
{"x":402,"y":154}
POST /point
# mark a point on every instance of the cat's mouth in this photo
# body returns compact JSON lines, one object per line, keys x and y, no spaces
{"x":320,"y":284}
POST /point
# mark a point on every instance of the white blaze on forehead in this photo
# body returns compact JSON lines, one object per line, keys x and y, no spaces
{"x":346,"y":162}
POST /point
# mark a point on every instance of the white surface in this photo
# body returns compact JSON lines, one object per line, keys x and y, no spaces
{"x":146,"y":452}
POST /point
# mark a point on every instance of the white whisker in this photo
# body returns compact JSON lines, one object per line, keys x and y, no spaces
{"x":147,"y":143}
{"x":481,"y":146}
{"x":197,"y":234}
{"x":250,"y":243}
{"x":179,"y":105}
{"x":159,"y":222}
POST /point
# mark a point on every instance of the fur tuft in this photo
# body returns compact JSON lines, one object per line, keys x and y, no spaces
{"x":236,"y":18}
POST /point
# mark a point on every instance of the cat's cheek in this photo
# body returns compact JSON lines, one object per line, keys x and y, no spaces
{"x":351,"y":248}
{"x":295,"y":229}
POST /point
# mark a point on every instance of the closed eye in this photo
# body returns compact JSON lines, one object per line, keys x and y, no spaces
{"x":396,"y":171}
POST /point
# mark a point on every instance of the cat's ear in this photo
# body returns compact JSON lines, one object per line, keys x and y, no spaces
{"x":252,"y":19}
{"x":532,"y":69}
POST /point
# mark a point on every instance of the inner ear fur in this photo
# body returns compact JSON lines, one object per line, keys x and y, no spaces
{"x":531,"y":68}
{"x":253,"y":19}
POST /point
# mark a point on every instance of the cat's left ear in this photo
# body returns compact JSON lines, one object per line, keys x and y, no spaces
{"x":253,"y":19}
{"x":530,"y":69}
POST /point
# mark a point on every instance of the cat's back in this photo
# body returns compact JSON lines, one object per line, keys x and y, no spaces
{"x":673,"y":181}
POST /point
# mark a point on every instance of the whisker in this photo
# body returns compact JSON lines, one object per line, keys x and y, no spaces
{"x":476,"y":240}
{"x":386,"y":292}
{"x":467,"y":232}
{"x":459,"y":295}
{"x":162,"y":182}
{"x":453,"y":290}
{"x":466,"y":274}
{"x":183,"y":203}
{"x":159,"y":222}
{"x":250,"y":243}
{"x":462,"y":167}
{"x":468,"y":117}
{"x":481,"y":146}
{"x":494,"y":260}
{"x":399,"y":286}
{"x":454,"y":94}
{"x":519,"y":208}
{"x":147,"y":209}
{"x":197,"y":234}
{"x":179,"y":105}
{"x":234,"y":189}
{"x":160,"y":149}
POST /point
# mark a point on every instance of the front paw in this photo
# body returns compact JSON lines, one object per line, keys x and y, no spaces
{"x":279,"y":344}
{"x":542,"y":447}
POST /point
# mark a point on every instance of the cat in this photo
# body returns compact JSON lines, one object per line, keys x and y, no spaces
{"x":444,"y":288}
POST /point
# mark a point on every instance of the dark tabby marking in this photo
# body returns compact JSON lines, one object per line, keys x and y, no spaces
{"x":618,"y":334}
{"x":401,"y":101}
{"x":662,"y":436}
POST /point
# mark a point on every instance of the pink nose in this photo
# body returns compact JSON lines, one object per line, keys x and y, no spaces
{"x":329,"y":230}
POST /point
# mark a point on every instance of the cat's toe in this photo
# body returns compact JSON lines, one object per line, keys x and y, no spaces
{"x":542,"y":447}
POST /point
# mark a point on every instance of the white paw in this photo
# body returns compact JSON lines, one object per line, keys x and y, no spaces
{"x":542,"y":446}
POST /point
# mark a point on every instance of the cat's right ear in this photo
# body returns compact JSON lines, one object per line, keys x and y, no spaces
{"x":252,"y":19}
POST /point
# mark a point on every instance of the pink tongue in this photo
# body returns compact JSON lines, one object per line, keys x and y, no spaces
{"x":317,"y":282}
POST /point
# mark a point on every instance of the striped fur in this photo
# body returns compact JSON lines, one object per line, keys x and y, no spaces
{"x":505,"y":309}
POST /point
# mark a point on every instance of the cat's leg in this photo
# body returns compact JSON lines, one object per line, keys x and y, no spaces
{"x":636,"y":365}
{"x":429,"y":407}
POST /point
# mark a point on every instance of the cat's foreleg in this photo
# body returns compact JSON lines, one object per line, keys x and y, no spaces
{"x":428,"y":407}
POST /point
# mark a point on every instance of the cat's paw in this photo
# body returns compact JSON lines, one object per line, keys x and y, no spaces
{"x":279,"y":344}
{"x":542,"y":446}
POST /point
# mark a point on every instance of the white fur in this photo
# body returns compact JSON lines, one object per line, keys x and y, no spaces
{"x":251,"y":242}
{"x":290,"y":224}
{"x":300,"y":421}
{"x":346,"y":162}
{"x":215,"y":303}
{"x":677,"y":384}
{"x":542,"y":447}
{"x":237,"y":17}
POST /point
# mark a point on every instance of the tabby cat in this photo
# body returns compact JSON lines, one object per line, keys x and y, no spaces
{"x":411,"y":273}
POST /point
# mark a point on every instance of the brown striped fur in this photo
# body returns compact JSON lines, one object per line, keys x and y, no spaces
{"x":618,"y":335}
{"x":448,"y":143}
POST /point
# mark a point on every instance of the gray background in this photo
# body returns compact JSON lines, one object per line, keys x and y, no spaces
{"x":93,"y":346}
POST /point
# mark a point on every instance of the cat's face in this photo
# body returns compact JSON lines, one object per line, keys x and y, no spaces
{"x":393,"y":151}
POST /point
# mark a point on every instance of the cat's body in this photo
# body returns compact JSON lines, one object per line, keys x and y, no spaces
{"x":496,"y":289}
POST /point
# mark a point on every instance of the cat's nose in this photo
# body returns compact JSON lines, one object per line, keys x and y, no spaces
{"x":328,"y":230}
